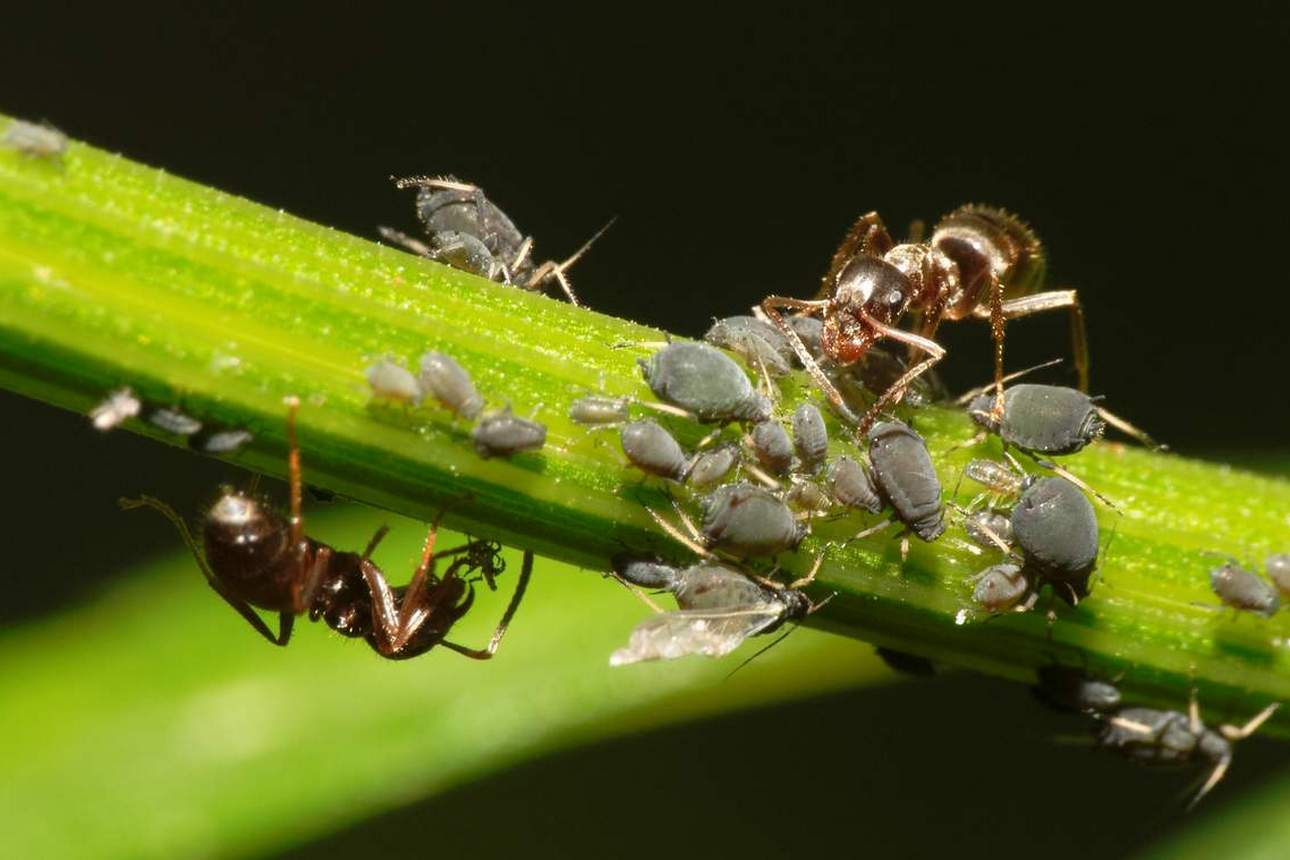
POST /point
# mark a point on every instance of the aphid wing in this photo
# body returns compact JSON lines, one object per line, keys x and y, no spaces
{"x":713,"y":633}
{"x":713,"y":587}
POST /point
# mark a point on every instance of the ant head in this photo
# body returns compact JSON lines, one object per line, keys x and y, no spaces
{"x":243,"y":535}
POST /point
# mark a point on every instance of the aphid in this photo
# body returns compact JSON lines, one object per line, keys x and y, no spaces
{"x":989,"y":529}
{"x":215,"y":440}
{"x":1278,"y":568}
{"x":807,"y":496}
{"x":748,"y":521}
{"x":1047,"y":419}
{"x":719,"y":608}
{"x":255,"y":558}
{"x":711,"y":467}
{"x":173,"y":421}
{"x":980,"y":262}
{"x":469,"y":231}
{"x":810,"y":437}
{"x":809,"y":330}
{"x":501,"y":434}
{"x":447,"y":381}
{"x":393,"y":382}
{"x":852,"y":485}
{"x":653,"y":450}
{"x":877,"y":371}
{"x":596,"y":411}
{"x":772,"y":447}
{"x":35,"y":141}
{"x":1244,"y":591}
{"x":1073,"y":691}
{"x":1155,"y":737}
{"x":705,"y":382}
{"x":116,"y":408}
{"x":906,"y":479}
{"x":1004,"y":587}
{"x":757,"y":341}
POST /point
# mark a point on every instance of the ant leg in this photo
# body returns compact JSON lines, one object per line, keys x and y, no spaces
{"x":375,"y":541}
{"x":485,"y":653}
{"x":770,"y":307}
{"x":385,"y":608}
{"x":293,"y":473}
{"x":285,"y":619}
{"x":896,"y":390}
{"x":676,"y":534}
{"x":398,"y":237}
{"x":1055,"y":300}
{"x":867,"y":236}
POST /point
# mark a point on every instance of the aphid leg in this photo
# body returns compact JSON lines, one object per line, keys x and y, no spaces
{"x":896,"y":390}
{"x":549,"y":269}
{"x":638,"y":593}
{"x":398,"y":237}
{"x":872,"y":530}
{"x":804,"y":581}
{"x":285,"y":619}
{"x":1055,"y":300}
{"x":1129,"y":429}
{"x":904,"y":547}
{"x":691,"y":543}
{"x":761,"y":476}
{"x":770,"y":306}
{"x":1238,"y":733}
{"x":485,"y":653}
{"x":1062,"y":472}
{"x":1215,"y":776}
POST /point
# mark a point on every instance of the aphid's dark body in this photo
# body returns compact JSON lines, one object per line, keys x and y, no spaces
{"x":1243,"y":590}
{"x":1054,"y":526}
{"x":906,"y":479}
{"x":1041,"y":419}
{"x":748,"y":521}
{"x":1170,"y":739}
{"x":711,"y":467}
{"x":810,"y":437}
{"x":771,"y":445}
{"x":503,"y":434}
{"x":704,"y":381}
{"x":653,"y":450}
{"x":1068,"y":690}
{"x":852,"y":485}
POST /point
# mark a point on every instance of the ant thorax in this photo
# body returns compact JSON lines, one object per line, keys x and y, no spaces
{"x":932,"y":274}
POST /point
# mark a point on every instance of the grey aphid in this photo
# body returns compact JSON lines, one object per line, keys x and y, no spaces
{"x":757,"y":341}
{"x":1043,"y":419}
{"x":770,"y":444}
{"x":221,"y":441}
{"x":987,"y":529}
{"x":646,"y":573}
{"x":807,"y":496}
{"x":173,"y":421}
{"x":596,"y":411}
{"x":810,"y":437}
{"x":808,"y":329}
{"x":712,"y":467}
{"x":466,"y":210}
{"x":36,"y":141}
{"x":748,"y":521}
{"x":1054,"y":526}
{"x":393,"y":382}
{"x":1001,"y":587}
{"x":465,"y":252}
{"x":704,"y":381}
{"x":652,"y":449}
{"x":503,"y":433}
{"x":1070,"y":690}
{"x":1278,"y":568}
{"x":906,"y":478}
{"x":447,"y":382}
{"x":1241,"y":589}
{"x":852,"y":485}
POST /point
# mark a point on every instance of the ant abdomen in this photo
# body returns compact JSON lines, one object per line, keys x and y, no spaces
{"x":248,"y":547}
{"x":982,"y":240}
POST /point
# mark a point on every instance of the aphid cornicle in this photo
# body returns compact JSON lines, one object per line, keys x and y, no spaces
{"x":719,"y":608}
{"x":1244,"y":591}
{"x":653,"y":450}
{"x":705,"y":382}
{"x":503,"y":433}
{"x":980,"y":262}
{"x":255,"y":558}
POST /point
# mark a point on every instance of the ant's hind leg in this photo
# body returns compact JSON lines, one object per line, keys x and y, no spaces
{"x":486,"y":653}
{"x":1051,"y":301}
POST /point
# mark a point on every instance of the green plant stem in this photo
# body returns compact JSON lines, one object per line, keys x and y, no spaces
{"x":113,"y":274}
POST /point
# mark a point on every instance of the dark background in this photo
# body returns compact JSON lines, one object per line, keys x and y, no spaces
{"x":1149,"y":155}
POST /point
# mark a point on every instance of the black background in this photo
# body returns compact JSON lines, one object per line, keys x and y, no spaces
{"x":735,"y":148}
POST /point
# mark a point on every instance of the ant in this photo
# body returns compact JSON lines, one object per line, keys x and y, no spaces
{"x":254,"y":557}
{"x":981,"y":262}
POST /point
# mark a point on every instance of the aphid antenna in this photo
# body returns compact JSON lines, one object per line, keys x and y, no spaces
{"x":762,"y":650}
{"x":967,"y":397}
{"x":1062,"y":472}
{"x":761,"y":476}
{"x":445,"y":182}
{"x":872,"y":530}
{"x":1129,"y":429}
{"x":803,"y":581}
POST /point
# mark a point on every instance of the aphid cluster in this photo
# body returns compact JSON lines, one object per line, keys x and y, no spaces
{"x":123,"y":404}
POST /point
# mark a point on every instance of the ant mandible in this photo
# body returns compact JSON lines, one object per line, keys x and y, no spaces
{"x":255,"y":558}
{"x":981,"y":262}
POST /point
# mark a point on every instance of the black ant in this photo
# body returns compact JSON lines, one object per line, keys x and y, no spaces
{"x":981,"y":262}
{"x":255,"y":558}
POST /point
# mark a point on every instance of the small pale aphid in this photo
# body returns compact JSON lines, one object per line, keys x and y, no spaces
{"x":810,"y":437}
{"x":1278,"y":568}
{"x":758,"y":342}
{"x":1243,"y":590}
{"x":390,"y":381}
{"x":719,"y":608}
{"x":501,"y":434}
{"x":704,"y":381}
{"x":906,"y":478}
{"x":117,"y":407}
{"x":1001,"y":588}
{"x":216,"y":441}
{"x":653,"y":450}
{"x":36,"y":141}
{"x":596,"y":411}
{"x":748,"y":522}
{"x":447,"y":382}
{"x":988,"y":529}
{"x":852,"y":485}
{"x":771,"y":445}
{"x":807,"y":496}
{"x":712,"y":467}
{"x":173,"y":421}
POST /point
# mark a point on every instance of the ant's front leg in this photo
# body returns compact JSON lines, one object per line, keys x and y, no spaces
{"x":896,"y":390}
{"x":486,"y":653}
{"x":770,"y":307}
